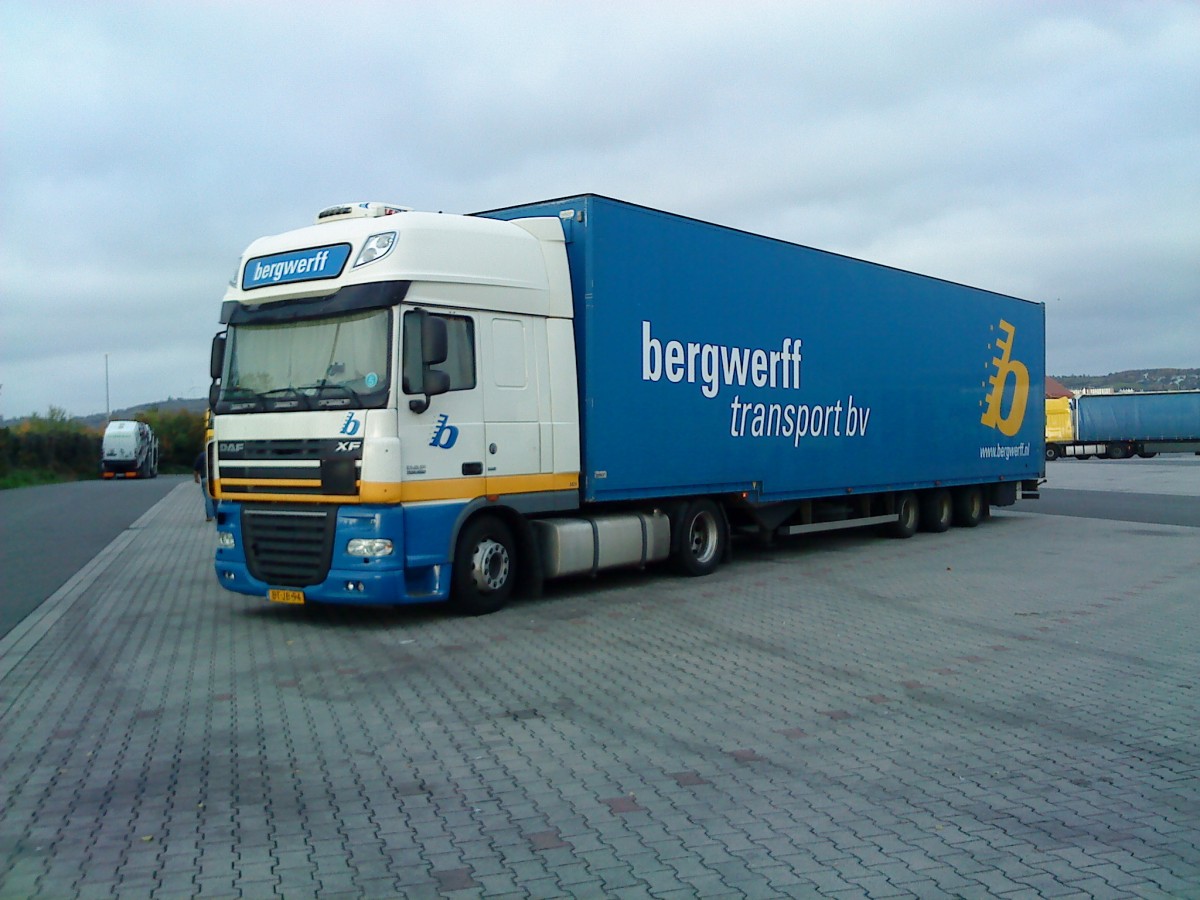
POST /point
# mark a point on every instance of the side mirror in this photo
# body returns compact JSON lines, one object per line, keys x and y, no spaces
{"x":216,"y":358}
{"x":434,"y":349}
{"x":436,"y":382}
{"x":434,"y":341}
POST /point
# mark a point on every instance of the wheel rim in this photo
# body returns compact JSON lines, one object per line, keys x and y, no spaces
{"x":702,"y":537}
{"x":945,"y":509}
{"x":490,"y":565}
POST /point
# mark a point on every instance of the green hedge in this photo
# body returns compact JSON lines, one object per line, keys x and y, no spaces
{"x":66,"y":454}
{"x":56,"y":448}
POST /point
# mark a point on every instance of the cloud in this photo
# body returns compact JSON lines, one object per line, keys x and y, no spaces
{"x":1042,"y":150}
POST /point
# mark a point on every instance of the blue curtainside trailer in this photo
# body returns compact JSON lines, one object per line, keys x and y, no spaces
{"x":1167,"y":416}
{"x":1121,"y":426}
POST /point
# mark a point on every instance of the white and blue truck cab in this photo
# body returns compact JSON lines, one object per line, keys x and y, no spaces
{"x":411,"y":407}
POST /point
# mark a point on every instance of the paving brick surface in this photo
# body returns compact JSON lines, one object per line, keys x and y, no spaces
{"x":1010,"y":710}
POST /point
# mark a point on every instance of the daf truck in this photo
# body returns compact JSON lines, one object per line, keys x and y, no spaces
{"x":413,"y":407}
{"x":1121,"y":426}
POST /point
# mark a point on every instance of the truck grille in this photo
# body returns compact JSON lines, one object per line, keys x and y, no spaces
{"x":288,"y":546}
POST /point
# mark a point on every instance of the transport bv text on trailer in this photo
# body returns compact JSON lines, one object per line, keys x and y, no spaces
{"x":413,"y":406}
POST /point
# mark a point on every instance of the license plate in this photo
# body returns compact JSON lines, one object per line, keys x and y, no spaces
{"x":286,"y":596}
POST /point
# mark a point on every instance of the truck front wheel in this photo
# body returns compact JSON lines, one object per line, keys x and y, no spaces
{"x":484,"y":567}
{"x":700,"y":538}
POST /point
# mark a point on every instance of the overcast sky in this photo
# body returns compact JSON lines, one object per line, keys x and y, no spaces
{"x":1046,"y":150}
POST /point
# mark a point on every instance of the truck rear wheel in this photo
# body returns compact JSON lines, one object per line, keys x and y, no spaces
{"x":699,"y":539}
{"x":969,"y":509}
{"x":908,"y":508}
{"x":1052,"y":452}
{"x":485,"y":567}
{"x":937,"y":510}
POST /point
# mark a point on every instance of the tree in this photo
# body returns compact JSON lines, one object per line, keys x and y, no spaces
{"x":180,"y":435}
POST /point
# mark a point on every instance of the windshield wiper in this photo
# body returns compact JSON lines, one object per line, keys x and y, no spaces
{"x":322,"y":386}
{"x":239,"y":394}
{"x":288,"y":392}
{"x":238,"y":391}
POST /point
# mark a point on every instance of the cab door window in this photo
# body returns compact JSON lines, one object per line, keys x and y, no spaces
{"x":460,"y":352}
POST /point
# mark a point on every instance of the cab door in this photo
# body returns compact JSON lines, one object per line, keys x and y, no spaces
{"x":512,"y":432}
{"x":443,"y":446}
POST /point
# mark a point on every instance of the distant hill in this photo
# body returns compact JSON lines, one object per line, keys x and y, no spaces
{"x":97,"y":420}
{"x":171,"y":404}
{"x":1137,"y":380}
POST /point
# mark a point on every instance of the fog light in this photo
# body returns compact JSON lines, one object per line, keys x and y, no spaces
{"x":225,"y":540}
{"x":353,"y":586}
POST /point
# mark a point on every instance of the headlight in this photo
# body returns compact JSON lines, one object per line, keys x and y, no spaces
{"x":369,"y":547}
{"x":225,"y":540}
{"x":377,"y":247}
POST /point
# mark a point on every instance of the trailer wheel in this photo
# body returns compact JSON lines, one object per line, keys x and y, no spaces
{"x":937,"y":510}
{"x":1052,"y":453}
{"x":1117,"y":451}
{"x":484,"y":567}
{"x":909,"y":510}
{"x":969,"y":508}
{"x":699,"y":539}
{"x":1147,"y":455}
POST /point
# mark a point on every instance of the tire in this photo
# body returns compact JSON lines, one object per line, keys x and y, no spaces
{"x":699,"y":538}
{"x":485,"y":567}
{"x":909,"y":509}
{"x":1116,"y":451}
{"x":937,"y":510}
{"x":1147,"y":455}
{"x":969,"y":506}
{"x":1052,"y":453}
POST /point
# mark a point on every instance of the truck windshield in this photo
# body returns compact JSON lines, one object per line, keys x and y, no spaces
{"x":332,"y":363}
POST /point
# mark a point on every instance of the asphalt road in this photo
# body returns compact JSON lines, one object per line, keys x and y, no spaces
{"x":1156,"y":509}
{"x":48,"y":533}
{"x":1160,"y":491}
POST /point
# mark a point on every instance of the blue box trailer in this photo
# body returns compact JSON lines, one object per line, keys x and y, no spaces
{"x":712,"y":360}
